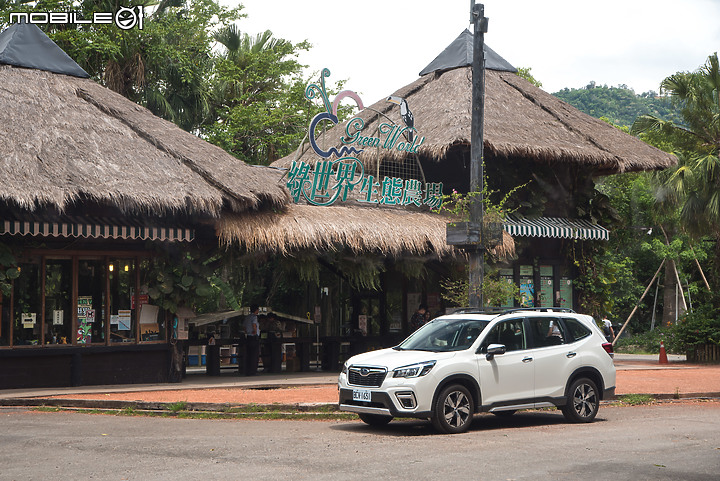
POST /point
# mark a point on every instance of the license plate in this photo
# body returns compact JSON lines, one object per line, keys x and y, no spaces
{"x":362,"y":395}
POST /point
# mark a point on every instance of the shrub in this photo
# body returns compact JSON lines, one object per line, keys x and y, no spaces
{"x":649,"y":342}
{"x":697,"y":328}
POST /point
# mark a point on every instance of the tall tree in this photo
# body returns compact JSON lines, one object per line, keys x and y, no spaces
{"x":259,"y":110}
{"x":165,"y":66}
{"x":693,"y":185}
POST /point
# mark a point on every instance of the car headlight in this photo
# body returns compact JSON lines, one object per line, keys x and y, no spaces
{"x":344,"y":369}
{"x":414,"y":370}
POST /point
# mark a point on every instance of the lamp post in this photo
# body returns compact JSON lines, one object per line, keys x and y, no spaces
{"x":476,"y":253}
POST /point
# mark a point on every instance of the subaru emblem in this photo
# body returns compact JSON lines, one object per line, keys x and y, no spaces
{"x":364,"y":372}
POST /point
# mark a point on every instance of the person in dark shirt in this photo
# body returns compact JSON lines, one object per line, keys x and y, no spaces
{"x":418,"y":319}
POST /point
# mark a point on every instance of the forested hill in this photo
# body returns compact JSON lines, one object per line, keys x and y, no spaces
{"x":619,"y":104}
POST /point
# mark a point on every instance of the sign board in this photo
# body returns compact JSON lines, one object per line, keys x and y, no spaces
{"x":362,"y":323}
{"x":85,"y":316}
{"x":28,"y":319}
{"x":341,"y":173}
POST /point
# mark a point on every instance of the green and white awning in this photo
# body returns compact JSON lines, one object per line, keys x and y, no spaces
{"x":95,"y":230}
{"x":556,"y":227}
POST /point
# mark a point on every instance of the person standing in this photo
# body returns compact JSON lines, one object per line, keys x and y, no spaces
{"x":252,"y":341}
{"x":608,"y":329}
{"x":418,"y":319}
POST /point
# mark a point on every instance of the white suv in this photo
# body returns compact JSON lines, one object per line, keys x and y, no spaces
{"x":473,"y":361}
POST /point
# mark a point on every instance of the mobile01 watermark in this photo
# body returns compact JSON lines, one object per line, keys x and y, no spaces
{"x":125,"y":18}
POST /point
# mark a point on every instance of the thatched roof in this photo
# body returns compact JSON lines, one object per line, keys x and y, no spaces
{"x":388,"y":231}
{"x":520,"y":120}
{"x":64,"y":138}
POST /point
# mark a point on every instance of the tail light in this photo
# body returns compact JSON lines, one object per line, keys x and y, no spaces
{"x":608,"y":348}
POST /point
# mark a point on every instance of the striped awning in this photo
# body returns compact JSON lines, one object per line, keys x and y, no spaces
{"x":96,"y":230}
{"x":556,"y":227}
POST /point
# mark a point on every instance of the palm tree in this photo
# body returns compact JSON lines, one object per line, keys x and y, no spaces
{"x":257,"y":96}
{"x":693,"y":185}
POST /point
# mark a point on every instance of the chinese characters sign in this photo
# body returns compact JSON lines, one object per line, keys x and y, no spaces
{"x":340,"y":174}
{"x":332,"y":180}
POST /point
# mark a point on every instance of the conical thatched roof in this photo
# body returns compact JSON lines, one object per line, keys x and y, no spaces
{"x":520,"y":120}
{"x":388,"y":231}
{"x":63,"y":138}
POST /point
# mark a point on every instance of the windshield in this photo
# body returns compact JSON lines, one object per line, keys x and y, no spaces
{"x":442,"y":335}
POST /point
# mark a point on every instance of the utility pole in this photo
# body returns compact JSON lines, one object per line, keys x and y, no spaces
{"x":476,"y":253}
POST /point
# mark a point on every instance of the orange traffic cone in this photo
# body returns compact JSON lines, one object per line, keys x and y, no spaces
{"x":663,"y":354}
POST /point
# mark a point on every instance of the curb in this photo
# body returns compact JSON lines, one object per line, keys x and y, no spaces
{"x":162,"y":406}
{"x":250,"y":407}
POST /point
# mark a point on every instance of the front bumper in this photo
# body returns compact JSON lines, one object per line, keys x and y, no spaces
{"x":380,"y":403}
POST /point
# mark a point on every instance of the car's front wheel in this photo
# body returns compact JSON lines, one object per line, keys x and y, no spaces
{"x":375,"y":419}
{"x":453,"y":411}
{"x":583,"y":401}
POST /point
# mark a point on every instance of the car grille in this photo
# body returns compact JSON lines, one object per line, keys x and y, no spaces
{"x":366,"y":376}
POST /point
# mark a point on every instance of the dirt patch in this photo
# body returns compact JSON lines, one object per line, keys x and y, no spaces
{"x":681,"y":381}
{"x":291,"y":395}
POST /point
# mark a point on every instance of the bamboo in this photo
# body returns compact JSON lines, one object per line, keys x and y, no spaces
{"x":702,"y":273}
{"x":638,"y":303}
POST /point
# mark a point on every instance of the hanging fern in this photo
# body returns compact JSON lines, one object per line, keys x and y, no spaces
{"x":412,"y":268}
{"x":363,"y":272}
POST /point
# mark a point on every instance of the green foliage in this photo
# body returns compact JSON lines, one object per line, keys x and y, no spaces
{"x":496,"y":291}
{"x":620,"y":104}
{"x":165,"y":67}
{"x":648,"y":342}
{"x":363,"y":273}
{"x":524,"y":72}
{"x":637,"y":399}
{"x":8,"y":269}
{"x":259,"y":108}
{"x":605,"y":283}
{"x":177,"y":406}
{"x":177,"y":279}
{"x":699,"y":327}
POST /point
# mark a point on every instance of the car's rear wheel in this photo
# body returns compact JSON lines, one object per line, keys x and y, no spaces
{"x":375,"y":419}
{"x":583,"y":401}
{"x":453,"y":411}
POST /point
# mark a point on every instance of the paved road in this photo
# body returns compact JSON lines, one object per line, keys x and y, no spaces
{"x":659,"y":442}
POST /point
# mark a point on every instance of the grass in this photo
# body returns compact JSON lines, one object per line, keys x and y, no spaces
{"x":637,"y":399}
{"x":250,"y":411}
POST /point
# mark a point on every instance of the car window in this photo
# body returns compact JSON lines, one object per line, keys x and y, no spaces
{"x":576,"y":330}
{"x":443,"y":335}
{"x":547,"y":331}
{"x":510,"y":333}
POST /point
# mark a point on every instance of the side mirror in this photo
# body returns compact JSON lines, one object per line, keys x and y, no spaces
{"x":494,"y":350}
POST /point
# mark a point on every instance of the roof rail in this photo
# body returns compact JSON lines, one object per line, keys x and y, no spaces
{"x":477,"y":310}
{"x":540,"y":309}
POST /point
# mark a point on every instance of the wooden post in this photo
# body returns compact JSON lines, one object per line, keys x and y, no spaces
{"x":617,"y":336}
{"x":476,"y":254}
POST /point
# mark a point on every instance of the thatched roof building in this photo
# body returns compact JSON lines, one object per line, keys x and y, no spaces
{"x":65,"y":138}
{"x":386,"y":231}
{"x":521,"y":120}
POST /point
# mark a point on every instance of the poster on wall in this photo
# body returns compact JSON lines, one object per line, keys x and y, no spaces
{"x":149,"y":327}
{"x":527,"y":287}
{"x":28,"y":319}
{"x":86,"y":316}
{"x":413,"y":301}
{"x":362,"y":323}
{"x":506,"y":275}
{"x":124,"y":318}
{"x":566,"y":293}
{"x":547,"y":288}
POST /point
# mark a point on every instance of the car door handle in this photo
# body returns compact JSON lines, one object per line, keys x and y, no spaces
{"x":527,"y":359}
{"x":571,"y":354}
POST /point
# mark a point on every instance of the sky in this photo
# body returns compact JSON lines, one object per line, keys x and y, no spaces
{"x":379,"y":46}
